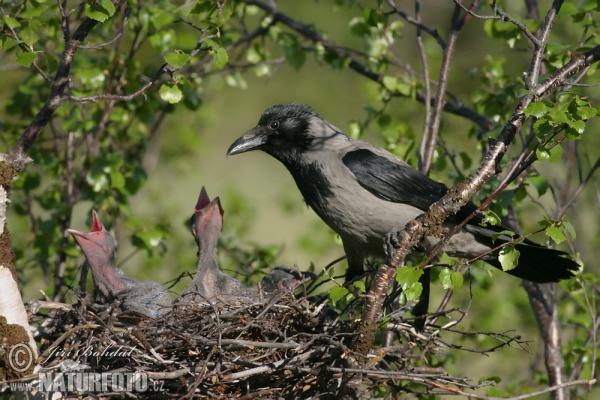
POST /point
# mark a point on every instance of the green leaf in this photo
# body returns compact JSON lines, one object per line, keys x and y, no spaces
{"x":117,"y":180}
{"x":508,"y":257}
{"x":559,"y":117}
{"x":11,"y":22}
{"x":555,"y":153}
{"x":414,"y":292}
{"x":26,"y":59}
{"x":408,"y":276}
{"x":578,"y":126}
{"x":31,"y":33}
{"x":586,"y":112}
{"x":569,"y":227}
{"x":9,"y":43}
{"x":360,"y":286}
{"x":542,"y":154}
{"x":108,"y":6}
{"x":295,"y":55}
{"x":336,"y":293}
{"x":390,"y":83}
{"x":556,"y":234}
{"x":537,"y":109}
{"x":100,"y":11}
{"x":220,"y":56}
{"x":170,"y":93}
{"x":177,"y":59}
{"x":451,"y":279}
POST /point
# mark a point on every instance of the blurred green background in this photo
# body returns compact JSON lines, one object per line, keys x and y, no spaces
{"x":261,"y":202}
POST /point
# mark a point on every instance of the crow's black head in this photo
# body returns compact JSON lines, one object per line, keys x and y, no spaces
{"x":284,"y":131}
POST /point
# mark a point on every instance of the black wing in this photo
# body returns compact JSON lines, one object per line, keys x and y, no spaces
{"x":400,"y":183}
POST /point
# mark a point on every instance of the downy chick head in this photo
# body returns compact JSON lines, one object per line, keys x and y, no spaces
{"x":98,"y":246}
{"x":207,"y":220}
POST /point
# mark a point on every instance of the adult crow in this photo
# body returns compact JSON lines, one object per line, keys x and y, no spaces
{"x":363,"y":192}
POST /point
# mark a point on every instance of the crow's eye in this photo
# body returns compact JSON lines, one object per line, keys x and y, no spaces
{"x":273,"y":125}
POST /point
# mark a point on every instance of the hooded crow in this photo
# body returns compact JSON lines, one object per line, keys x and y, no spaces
{"x":363,"y":192}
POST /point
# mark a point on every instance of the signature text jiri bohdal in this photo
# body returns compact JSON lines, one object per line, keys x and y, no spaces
{"x":91,"y":351}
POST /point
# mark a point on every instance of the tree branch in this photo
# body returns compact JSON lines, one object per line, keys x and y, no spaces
{"x":57,"y":88}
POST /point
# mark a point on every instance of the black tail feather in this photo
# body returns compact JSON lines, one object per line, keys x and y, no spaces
{"x":540,"y":264}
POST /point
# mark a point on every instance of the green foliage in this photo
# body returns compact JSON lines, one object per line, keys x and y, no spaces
{"x":450,"y":279}
{"x":408,"y":278}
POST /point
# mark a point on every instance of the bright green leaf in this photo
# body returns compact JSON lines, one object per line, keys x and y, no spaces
{"x":508,"y":257}
{"x":108,"y":6}
{"x":578,"y":125}
{"x":414,"y":292}
{"x":220,"y":56}
{"x":177,"y":59}
{"x":537,"y":109}
{"x":360,"y":285}
{"x":450,"y":279}
{"x":556,"y":234}
{"x":170,"y":93}
{"x":100,"y":11}
{"x":555,"y":153}
{"x":542,"y":154}
{"x":336,"y":293}
{"x":586,"y":112}
{"x":408,"y":276}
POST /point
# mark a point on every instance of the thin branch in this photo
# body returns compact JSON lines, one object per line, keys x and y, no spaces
{"x":99,"y":46}
{"x":417,"y":22}
{"x":502,"y":16}
{"x":538,"y":54}
{"x":453,"y":108}
{"x":129,"y":97}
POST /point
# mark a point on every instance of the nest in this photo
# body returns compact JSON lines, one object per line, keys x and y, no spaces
{"x":284,"y":347}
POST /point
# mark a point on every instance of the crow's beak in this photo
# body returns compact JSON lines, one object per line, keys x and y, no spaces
{"x":251,"y":140}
